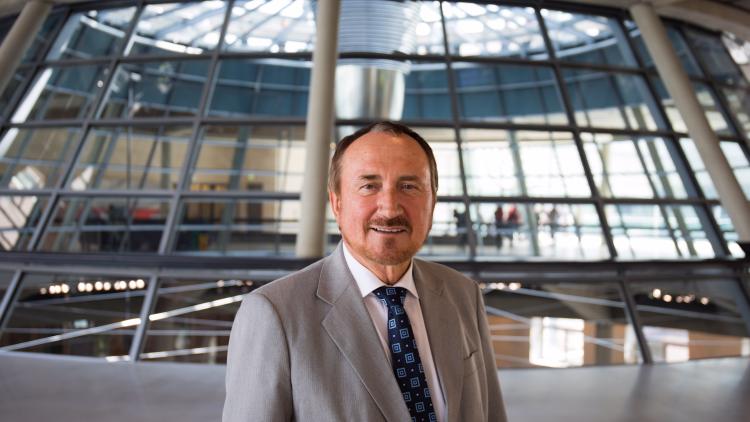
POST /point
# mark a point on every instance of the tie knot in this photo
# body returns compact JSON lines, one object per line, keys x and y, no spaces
{"x":391,"y":295}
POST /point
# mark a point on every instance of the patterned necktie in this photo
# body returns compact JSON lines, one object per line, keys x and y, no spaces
{"x":407,"y":366}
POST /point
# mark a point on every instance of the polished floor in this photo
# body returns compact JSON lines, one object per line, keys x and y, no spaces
{"x":45,"y":388}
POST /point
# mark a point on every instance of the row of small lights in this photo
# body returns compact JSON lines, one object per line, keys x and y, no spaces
{"x":99,"y":286}
{"x":659,"y":295}
{"x":501,"y":286}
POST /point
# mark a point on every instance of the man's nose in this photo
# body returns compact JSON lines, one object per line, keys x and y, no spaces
{"x":388,"y":203}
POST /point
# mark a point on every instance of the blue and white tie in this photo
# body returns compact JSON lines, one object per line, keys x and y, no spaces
{"x":407,"y":366}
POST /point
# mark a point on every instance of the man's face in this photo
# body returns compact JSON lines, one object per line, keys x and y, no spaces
{"x":385,"y":201}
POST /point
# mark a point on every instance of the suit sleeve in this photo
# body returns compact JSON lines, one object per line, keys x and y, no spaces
{"x":258,"y":382}
{"x":495,"y":405}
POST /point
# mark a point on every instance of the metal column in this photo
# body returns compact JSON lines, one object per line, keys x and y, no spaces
{"x":318,"y":132}
{"x":20,"y":37}
{"x":707,"y":143}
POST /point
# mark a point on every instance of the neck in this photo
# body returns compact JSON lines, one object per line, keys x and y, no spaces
{"x":388,"y":274}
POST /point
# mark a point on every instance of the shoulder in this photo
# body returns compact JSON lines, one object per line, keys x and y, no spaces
{"x":293,"y":285}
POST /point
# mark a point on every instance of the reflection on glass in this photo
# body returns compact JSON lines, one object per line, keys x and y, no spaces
{"x":5,"y":276}
{"x":611,"y":100}
{"x":426,"y":94}
{"x":259,"y":158}
{"x":678,"y":43}
{"x":156,"y":89}
{"x":75,"y":315}
{"x":178,"y":28}
{"x":658,"y":231}
{"x":635,"y":167}
{"x":521,"y":163}
{"x":19,"y":216}
{"x":91,"y":35}
{"x":587,"y":38}
{"x":558,"y":325}
{"x":261,"y":87}
{"x":553,"y":231}
{"x":706,"y":98}
{"x":739,"y":105}
{"x":715,"y":57}
{"x":691,"y":319}
{"x":739,"y":49}
{"x":106,"y":224}
{"x":131,"y":158}
{"x":35,"y":158}
{"x":61,"y":93}
{"x":492,"y":30}
{"x":727,"y":230}
{"x":245,"y":227}
{"x":192,"y":319}
{"x":276,"y":26}
{"x":508,"y":93}
{"x":736,"y":158}
{"x":449,"y":236}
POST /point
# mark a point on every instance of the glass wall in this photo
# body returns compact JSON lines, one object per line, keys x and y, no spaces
{"x":172,"y":131}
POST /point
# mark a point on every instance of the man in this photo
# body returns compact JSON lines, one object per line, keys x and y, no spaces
{"x":368,"y":333}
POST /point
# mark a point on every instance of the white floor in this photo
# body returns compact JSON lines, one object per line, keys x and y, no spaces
{"x":37,"y":387}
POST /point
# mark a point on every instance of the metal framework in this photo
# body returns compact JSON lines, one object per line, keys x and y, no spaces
{"x":166,"y":263}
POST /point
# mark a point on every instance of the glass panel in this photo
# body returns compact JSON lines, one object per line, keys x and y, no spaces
{"x":92,"y":35}
{"x":106,"y":224}
{"x":12,"y":90}
{"x":635,"y":167}
{"x":691,"y":319}
{"x":131,"y":158}
{"x":740,"y":51}
{"x":739,"y":105}
{"x":35,"y":158}
{"x":449,"y":236}
{"x":555,"y":231}
{"x":258,"y":158}
{"x":715,"y":57}
{"x":727,"y":230}
{"x":243,"y":227}
{"x":587,"y":38}
{"x":61,"y":93}
{"x":445,"y":149}
{"x":276,"y":26}
{"x":658,"y":231}
{"x":192,"y":319}
{"x":19,"y":217}
{"x":42,"y":37}
{"x":736,"y":158}
{"x":522,"y":163}
{"x":261,"y":87}
{"x":707,"y":100}
{"x":75,"y":315}
{"x":492,"y":30}
{"x":611,"y":100}
{"x":6,"y":277}
{"x":178,"y":28}
{"x":508,"y":93}
{"x":156,"y":89}
{"x":426,"y":95}
{"x":559,"y":325}
{"x":678,"y":43}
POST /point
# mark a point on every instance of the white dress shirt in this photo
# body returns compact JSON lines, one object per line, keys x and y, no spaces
{"x":367,"y":283}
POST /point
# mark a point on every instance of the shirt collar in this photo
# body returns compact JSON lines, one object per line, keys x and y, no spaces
{"x":368,"y":282}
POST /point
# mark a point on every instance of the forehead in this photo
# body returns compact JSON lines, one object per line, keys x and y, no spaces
{"x":379,"y":152}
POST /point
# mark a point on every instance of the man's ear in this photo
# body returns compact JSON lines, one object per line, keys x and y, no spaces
{"x":335,"y":202}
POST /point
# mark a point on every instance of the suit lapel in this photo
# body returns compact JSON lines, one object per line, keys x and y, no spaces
{"x":443,"y":329}
{"x":351,"y":329}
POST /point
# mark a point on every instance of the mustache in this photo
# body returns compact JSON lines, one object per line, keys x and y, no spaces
{"x":398,"y":221}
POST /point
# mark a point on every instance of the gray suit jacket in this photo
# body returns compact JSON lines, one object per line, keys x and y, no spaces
{"x":304,"y":348}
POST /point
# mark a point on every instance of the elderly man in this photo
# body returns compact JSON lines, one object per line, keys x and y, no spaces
{"x":369,"y":333}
